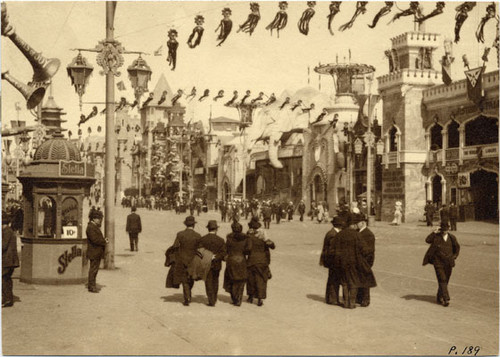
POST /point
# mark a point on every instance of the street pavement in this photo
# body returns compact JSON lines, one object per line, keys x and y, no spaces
{"x":134,"y":314}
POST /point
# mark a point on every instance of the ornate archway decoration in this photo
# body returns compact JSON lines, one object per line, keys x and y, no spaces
{"x":317,"y":170}
{"x":489,"y":166}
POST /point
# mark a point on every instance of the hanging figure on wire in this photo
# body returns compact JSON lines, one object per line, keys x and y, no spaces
{"x":360,"y":9}
{"x":192,"y":94}
{"x":225,"y":26}
{"x":280,"y":19}
{"x":172,"y":45}
{"x":462,"y":15}
{"x":307,"y":15}
{"x":271,"y":100}
{"x":490,"y":14}
{"x":195,"y":37}
{"x":219,"y":95}
{"x":414,"y":10}
{"x":382,"y":12}
{"x":259,"y":98}
{"x":205,"y":95}
{"x":287,"y":101}
{"x":437,"y":11}
{"x":253,"y":19}
{"x":247,"y":95}
{"x":334,"y":10}
{"x":233,"y":99}
{"x":179,"y":94}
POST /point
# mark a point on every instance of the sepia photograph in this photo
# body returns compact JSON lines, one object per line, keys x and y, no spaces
{"x":250,"y":178}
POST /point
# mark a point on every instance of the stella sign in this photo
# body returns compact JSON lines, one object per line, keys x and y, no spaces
{"x":72,"y":168}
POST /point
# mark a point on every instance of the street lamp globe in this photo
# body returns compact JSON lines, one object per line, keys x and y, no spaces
{"x":139,"y":74}
{"x":380,"y":147}
{"x":79,"y":70}
{"x":358,"y":146}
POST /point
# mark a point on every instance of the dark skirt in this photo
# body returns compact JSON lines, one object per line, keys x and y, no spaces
{"x":257,"y":281}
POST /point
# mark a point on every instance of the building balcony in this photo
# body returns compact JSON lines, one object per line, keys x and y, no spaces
{"x":416,"y":39}
{"x":419,"y":77}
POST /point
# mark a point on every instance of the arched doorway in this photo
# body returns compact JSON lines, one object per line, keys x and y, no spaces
{"x":226,"y":193}
{"x":484,"y":190}
{"x":318,"y":189}
{"x":437,"y":190}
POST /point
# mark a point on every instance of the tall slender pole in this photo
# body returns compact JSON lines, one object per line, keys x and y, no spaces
{"x":109,"y":176}
{"x":369,"y":143}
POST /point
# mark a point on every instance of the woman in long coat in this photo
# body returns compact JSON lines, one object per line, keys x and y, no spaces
{"x":258,"y":262}
{"x":238,"y":247}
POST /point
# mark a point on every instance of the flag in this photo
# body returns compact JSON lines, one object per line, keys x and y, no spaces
{"x":446,"y":72}
{"x":474,"y":84}
{"x":159,"y":51}
{"x":121,"y":86}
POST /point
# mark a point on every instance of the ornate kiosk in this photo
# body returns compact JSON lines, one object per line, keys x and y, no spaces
{"x":54,"y":185}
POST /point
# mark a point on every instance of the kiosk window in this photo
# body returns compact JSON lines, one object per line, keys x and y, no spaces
{"x":46,"y":225}
{"x":69,"y":212}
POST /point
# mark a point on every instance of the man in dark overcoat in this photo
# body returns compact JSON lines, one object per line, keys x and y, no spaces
{"x":301,"y":208}
{"x":186,"y":244}
{"x":326,"y":260}
{"x":96,"y":247}
{"x":345,"y":260}
{"x":444,"y":214}
{"x":133,"y":228}
{"x":453,"y":216}
{"x":366,"y":259}
{"x":216,"y":245}
{"x":266,"y":215}
{"x":10,"y":260}
{"x":442,"y":254}
{"x":429,"y":213}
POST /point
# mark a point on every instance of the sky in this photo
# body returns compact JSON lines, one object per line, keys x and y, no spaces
{"x":260,"y":62}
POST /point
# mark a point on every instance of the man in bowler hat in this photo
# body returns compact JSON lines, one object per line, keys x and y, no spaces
{"x":96,"y":247}
{"x":216,"y":245}
{"x":326,"y":260}
{"x":442,"y":253}
{"x":133,"y":228}
{"x":186,"y":243}
{"x":10,"y":260}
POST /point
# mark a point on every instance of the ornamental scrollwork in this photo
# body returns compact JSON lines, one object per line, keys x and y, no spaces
{"x":109,"y":57}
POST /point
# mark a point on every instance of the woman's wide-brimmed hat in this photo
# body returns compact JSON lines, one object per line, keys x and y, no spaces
{"x":254,"y":224}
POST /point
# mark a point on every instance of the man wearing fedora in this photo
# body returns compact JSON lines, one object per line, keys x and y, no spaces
{"x":96,"y":247}
{"x":10,"y":260}
{"x":366,"y":258}
{"x":186,"y":243}
{"x":442,"y":253}
{"x":133,"y":228}
{"x":216,"y":245}
{"x":326,"y":260}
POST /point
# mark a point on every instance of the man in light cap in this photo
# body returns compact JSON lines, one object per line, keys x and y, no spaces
{"x":186,"y":243}
{"x":216,"y":245}
{"x":326,"y":260}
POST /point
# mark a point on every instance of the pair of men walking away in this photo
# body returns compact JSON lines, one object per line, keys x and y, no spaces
{"x":186,"y":264}
{"x":348,"y":253}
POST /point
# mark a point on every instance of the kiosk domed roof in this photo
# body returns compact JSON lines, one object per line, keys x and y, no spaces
{"x":57,"y":148}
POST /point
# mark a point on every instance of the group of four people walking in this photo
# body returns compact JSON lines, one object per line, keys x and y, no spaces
{"x":193,"y":257}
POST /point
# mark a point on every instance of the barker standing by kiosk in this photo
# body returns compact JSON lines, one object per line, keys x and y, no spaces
{"x":96,"y":246}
